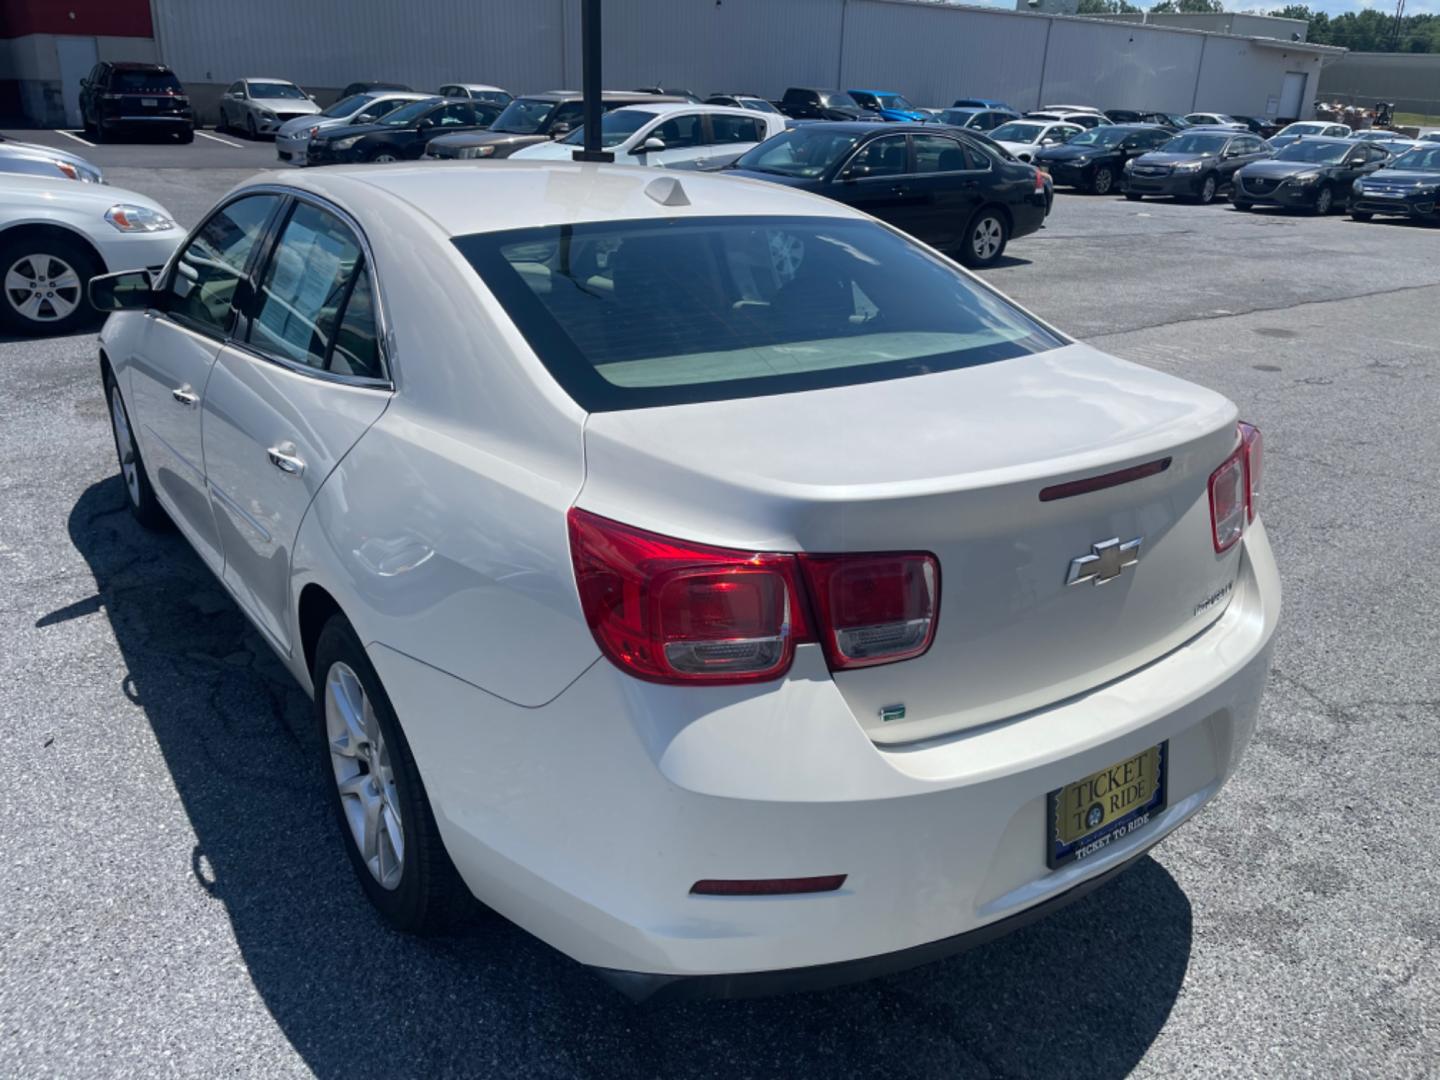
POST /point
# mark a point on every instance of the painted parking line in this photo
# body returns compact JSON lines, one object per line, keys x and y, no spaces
{"x":217,"y":138}
{"x":72,"y":135}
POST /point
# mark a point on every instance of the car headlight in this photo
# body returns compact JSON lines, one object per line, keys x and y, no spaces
{"x":474,"y":151}
{"x":129,"y":218}
{"x":1190,"y":166}
{"x":1129,"y":164}
{"x":345,"y":144}
{"x":266,"y":114}
{"x":1080,"y":161}
{"x":1358,"y":186}
{"x":315,"y":130}
{"x":1305,"y":178}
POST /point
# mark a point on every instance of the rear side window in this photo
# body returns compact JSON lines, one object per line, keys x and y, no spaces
{"x":736,"y":129}
{"x":633,"y":314}
{"x":202,"y":285}
{"x":935,"y":153}
{"x":312,"y":273}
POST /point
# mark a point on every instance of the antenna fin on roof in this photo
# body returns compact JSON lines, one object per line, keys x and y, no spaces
{"x":666,"y":191}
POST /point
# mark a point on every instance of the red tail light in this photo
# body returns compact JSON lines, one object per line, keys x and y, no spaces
{"x":873,"y":609}
{"x":671,"y":611}
{"x":1235,"y":490}
{"x":1039,"y":182}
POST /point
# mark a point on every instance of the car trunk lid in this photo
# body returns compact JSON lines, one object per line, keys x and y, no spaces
{"x":954,"y":463}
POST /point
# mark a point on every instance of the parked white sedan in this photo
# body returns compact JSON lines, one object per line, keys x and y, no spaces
{"x":669,"y":135}
{"x":55,"y":235}
{"x":1023,"y":137}
{"x":730,"y":621}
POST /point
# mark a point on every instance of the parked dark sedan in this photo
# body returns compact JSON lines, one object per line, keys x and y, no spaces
{"x":1094,"y":160}
{"x":953,"y":191}
{"x":400,"y":135}
{"x":532,"y":119}
{"x":1314,"y":174}
{"x":1196,"y":164}
{"x":1405,"y":187}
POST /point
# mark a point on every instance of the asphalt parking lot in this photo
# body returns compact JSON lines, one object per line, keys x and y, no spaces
{"x":177,"y":901}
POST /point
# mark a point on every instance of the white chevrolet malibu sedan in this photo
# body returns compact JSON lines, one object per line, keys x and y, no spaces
{"x":723,"y":586}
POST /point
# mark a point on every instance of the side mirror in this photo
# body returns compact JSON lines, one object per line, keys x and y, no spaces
{"x":365,"y":118}
{"x":856,"y":172}
{"x":129,"y":290}
{"x":651,"y":145}
{"x":559,"y":129}
{"x":425,"y":125}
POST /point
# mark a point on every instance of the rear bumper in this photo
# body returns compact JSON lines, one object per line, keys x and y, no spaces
{"x":167,"y":122}
{"x":588,"y":819}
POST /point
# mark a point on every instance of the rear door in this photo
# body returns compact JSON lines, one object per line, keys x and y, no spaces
{"x":947,"y":186}
{"x":170,"y":372}
{"x":301,"y":381}
{"x":727,"y":137}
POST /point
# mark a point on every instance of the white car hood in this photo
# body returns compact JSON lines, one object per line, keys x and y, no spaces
{"x":289,"y":105}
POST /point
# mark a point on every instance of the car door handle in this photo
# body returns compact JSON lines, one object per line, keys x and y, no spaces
{"x":283,"y":457}
{"x":184,"y":395}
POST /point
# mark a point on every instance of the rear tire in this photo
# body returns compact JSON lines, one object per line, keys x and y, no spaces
{"x":1360,"y":215}
{"x":416,"y":888}
{"x":1241,"y":204}
{"x":985,"y":239}
{"x":186,"y":136}
{"x":139,"y":495}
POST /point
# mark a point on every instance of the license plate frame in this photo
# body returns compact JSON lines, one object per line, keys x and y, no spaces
{"x":149,"y":102}
{"x":1061,"y":851}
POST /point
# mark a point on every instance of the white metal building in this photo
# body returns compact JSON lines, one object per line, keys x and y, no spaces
{"x":933,"y":53}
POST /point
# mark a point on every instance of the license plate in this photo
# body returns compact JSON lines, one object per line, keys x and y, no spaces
{"x":1087,"y":815}
{"x":149,"y":102}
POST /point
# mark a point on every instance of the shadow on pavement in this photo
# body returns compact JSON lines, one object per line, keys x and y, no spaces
{"x":1083,"y":993}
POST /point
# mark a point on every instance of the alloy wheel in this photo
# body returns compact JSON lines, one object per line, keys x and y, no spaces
{"x":125,"y":447}
{"x":1323,"y":199}
{"x":985,"y":241}
{"x":385,"y":159}
{"x":1207,"y":190}
{"x":43,"y":288}
{"x":1103,"y":180}
{"x":363,"y":776}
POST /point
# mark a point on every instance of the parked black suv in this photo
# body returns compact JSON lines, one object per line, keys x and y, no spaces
{"x":118,"y":96}
{"x":802,"y":103}
{"x":533,"y":119}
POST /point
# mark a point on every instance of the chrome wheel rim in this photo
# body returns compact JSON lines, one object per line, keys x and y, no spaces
{"x":987,"y":238}
{"x":787,"y":252}
{"x":125,"y":447}
{"x":363,"y":776}
{"x":42,"y":288}
{"x":1102,"y":181}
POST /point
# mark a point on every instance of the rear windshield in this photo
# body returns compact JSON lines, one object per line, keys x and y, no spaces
{"x":145,"y":82}
{"x":633,"y":314}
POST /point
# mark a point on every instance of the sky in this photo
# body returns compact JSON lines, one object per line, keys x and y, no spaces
{"x":1332,"y":7}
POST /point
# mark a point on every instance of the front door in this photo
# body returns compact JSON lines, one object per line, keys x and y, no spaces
{"x":288,"y":398}
{"x":170,"y":373}
{"x":874,"y":181}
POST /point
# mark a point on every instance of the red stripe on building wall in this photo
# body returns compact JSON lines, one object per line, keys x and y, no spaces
{"x":108,"y":18}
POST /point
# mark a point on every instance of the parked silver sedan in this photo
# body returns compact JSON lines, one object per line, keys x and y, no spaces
{"x":293,"y":136}
{"x":37,"y":160}
{"x":260,"y":106}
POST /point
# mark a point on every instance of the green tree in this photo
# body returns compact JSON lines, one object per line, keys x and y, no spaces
{"x":1107,"y":7}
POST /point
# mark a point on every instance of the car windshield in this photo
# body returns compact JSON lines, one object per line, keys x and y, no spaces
{"x":1321,"y":153}
{"x":524,"y":116}
{"x":348,"y":106}
{"x":407,"y":114}
{"x":1304,"y":129}
{"x":839,"y":101}
{"x":1204,"y":145}
{"x":615,"y":127}
{"x":276,"y":90}
{"x":1018,"y":132}
{"x":145,"y":82}
{"x":807,"y":151}
{"x":630,"y":314}
{"x":1101,"y":136}
{"x":1422,"y":159}
{"x":894,"y":101}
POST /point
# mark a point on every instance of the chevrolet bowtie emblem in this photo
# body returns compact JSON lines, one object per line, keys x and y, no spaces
{"x":1105,"y":561}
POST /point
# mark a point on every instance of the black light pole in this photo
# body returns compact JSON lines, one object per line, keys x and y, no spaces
{"x":590,"y":78}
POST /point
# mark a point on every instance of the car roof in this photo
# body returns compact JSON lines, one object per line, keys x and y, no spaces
{"x":876,"y":92}
{"x":136,"y":65}
{"x":637,"y":97}
{"x":266,"y":78}
{"x":525,"y":194}
{"x":477,"y":86}
{"x":1334,"y":140}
